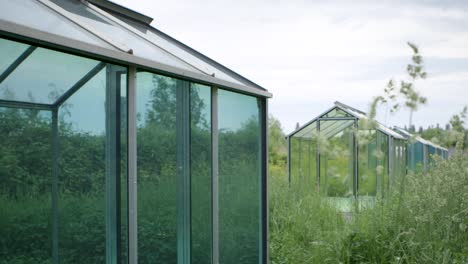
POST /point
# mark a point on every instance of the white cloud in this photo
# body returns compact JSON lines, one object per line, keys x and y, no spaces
{"x":312,"y":53}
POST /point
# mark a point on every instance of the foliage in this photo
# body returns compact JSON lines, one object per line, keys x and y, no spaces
{"x":424,"y":222}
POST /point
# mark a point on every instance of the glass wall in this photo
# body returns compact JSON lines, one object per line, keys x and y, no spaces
{"x":239,"y":178}
{"x":63,"y":164}
{"x":368,"y":151}
{"x":200,"y":162}
{"x":64,"y":179}
{"x":25,"y":175}
{"x":90,"y":160}
{"x":304,"y":158}
{"x":157,"y":167}
{"x":336,"y":149}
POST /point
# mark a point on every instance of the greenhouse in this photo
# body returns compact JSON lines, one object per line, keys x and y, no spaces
{"x":344,"y":158}
{"x":118,"y":143}
{"x":420,"y":151}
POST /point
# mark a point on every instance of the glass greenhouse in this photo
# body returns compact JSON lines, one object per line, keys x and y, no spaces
{"x":344,"y":159}
{"x":122,"y":145}
{"x":420,"y":151}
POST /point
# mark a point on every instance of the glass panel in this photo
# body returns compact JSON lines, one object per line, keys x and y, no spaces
{"x":303,"y":157}
{"x":336,"y":163}
{"x":119,"y":35}
{"x":9,"y":52}
{"x":239,"y":178}
{"x":42,"y":77}
{"x":337,"y":113}
{"x":368,"y":152}
{"x":89,"y":162}
{"x":382,"y":169}
{"x":25,"y":176}
{"x":157,"y":173}
{"x":45,"y":19}
{"x":200,"y":106}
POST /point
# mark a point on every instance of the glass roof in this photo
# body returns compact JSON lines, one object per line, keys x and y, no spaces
{"x":84,"y":21}
{"x":336,"y":112}
{"x":44,"y":19}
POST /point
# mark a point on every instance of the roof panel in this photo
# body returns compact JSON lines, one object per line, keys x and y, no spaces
{"x":37,"y":16}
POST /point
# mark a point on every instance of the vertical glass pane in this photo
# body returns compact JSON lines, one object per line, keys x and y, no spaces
{"x":200,"y":162}
{"x":25,"y":176}
{"x":90,"y":166}
{"x":367,"y":162}
{"x":157,"y":168}
{"x":303,"y":157}
{"x":382,"y":170}
{"x":239,"y":178}
{"x":336,"y":161}
{"x":123,"y":169}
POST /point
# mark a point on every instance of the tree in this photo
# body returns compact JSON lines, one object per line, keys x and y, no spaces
{"x":412,"y":98}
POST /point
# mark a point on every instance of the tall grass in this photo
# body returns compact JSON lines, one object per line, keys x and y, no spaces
{"x":423,"y":220}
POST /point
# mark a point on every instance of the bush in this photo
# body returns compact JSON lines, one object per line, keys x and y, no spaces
{"x":423,"y":220}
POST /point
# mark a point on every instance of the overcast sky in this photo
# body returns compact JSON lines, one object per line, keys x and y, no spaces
{"x":312,"y":53}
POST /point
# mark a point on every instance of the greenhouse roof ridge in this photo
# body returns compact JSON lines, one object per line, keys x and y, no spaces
{"x":122,"y":10}
{"x":340,"y":104}
{"x":355,"y":113}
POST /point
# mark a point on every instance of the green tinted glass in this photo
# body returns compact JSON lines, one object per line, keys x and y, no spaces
{"x":157,"y":168}
{"x":239,"y":178}
{"x":200,"y":156}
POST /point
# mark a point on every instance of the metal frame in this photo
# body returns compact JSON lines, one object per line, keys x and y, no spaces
{"x":55,"y":179}
{"x":264,"y":249}
{"x":183,"y":172}
{"x":132,"y":167}
{"x":112,"y":159}
{"x":17,"y":62}
{"x":215,"y":176}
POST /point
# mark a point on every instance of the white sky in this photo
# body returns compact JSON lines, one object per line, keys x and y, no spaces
{"x":312,"y":53}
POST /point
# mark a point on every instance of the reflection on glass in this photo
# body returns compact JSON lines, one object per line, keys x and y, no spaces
{"x":157,"y":173}
{"x":239,"y":178}
{"x":200,"y":162}
{"x":89,"y":156}
{"x":25,"y":176}
{"x":47,"y":78}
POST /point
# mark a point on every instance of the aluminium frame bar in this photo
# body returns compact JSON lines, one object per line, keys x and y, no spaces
{"x":26,"y":105}
{"x":132,"y":167}
{"x":215,"y":177}
{"x":17,"y":63}
{"x":55,"y":187}
{"x":19,"y":32}
{"x":88,"y":76}
{"x":183,"y":172}
{"x":264,"y":224}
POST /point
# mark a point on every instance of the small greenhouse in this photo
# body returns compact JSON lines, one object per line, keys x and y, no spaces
{"x":121,"y":144}
{"x":420,"y":151}
{"x":339,"y":156}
